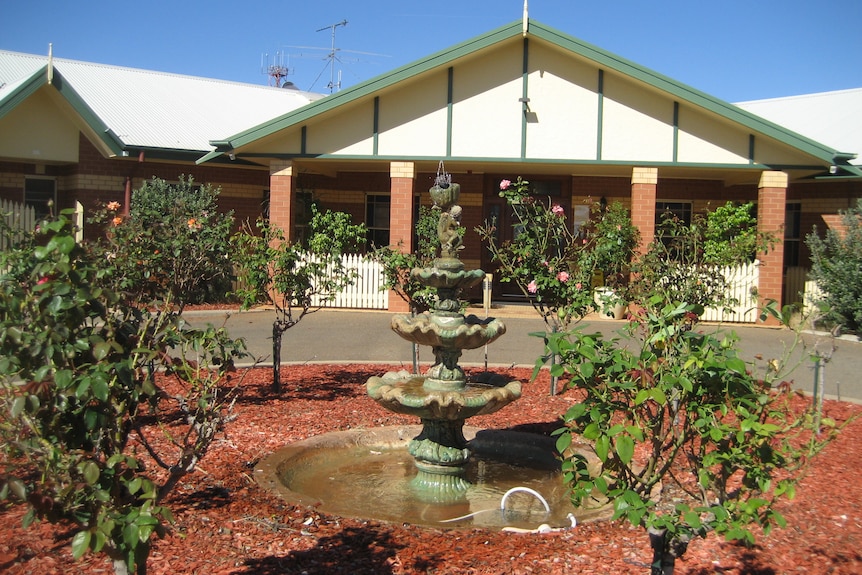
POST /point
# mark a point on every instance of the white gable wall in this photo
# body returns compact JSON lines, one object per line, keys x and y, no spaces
{"x":564,"y":101}
{"x":486,"y":113}
{"x":637,"y":123}
{"x":704,"y":139}
{"x":413,"y":120}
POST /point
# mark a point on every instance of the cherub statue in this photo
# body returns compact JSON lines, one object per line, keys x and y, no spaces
{"x":448,"y":230}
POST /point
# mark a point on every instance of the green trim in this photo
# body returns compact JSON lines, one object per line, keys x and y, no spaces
{"x":375,"y":137}
{"x":675,"y":132}
{"x":604,"y":60}
{"x":210,"y":156}
{"x":600,"y":114}
{"x":525,"y":100}
{"x":450,"y":104}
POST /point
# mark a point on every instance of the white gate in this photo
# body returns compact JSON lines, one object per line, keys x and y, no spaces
{"x":366,"y":291}
{"x":19,"y":218}
{"x":742,"y":286}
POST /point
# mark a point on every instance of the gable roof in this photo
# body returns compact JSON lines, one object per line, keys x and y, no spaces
{"x":128,"y":109}
{"x":727,"y":112}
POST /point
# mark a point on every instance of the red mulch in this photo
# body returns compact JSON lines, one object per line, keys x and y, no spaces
{"x":226,"y":524}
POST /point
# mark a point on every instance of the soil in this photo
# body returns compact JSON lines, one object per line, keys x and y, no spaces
{"x":227,"y":524}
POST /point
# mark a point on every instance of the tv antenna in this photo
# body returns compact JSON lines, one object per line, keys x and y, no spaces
{"x":331,"y":57}
{"x":275,"y":69}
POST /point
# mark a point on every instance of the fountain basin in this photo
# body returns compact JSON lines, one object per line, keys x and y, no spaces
{"x":451,"y":332}
{"x":368,"y":474}
{"x":448,"y":274}
{"x":403,"y":392}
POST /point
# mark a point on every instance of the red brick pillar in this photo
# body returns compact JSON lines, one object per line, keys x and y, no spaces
{"x":771,"y":214}
{"x":282,"y":197}
{"x":401,"y":222}
{"x":644,"y":186}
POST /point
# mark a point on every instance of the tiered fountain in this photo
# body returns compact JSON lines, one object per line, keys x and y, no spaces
{"x":440,"y":473}
{"x":443,"y":398}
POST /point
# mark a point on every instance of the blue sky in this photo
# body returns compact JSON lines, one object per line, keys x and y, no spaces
{"x":734,"y":49}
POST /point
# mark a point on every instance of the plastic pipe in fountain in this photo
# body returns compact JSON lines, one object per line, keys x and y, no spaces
{"x":543,"y":528}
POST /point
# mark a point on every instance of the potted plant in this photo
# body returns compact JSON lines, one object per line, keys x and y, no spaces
{"x":615,"y":240}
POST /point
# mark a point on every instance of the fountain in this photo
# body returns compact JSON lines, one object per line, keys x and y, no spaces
{"x":440,"y":473}
{"x":443,"y":398}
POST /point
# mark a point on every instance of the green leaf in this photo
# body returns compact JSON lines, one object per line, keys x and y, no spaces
{"x":602,"y":446}
{"x":91,"y":472}
{"x":625,"y":448}
{"x":563,"y":442}
{"x":80,"y":544}
{"x":101,"y":350}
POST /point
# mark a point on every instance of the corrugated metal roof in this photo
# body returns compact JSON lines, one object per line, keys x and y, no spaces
{"x":834,"y":118}
{"x":160,"y":110}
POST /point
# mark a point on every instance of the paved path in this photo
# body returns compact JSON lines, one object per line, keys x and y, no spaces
{"x":365,"y":336}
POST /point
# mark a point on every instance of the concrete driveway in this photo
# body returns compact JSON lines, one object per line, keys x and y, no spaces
{"x":365,"y":336}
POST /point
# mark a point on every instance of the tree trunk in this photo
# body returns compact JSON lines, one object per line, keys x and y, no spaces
{"x":277,"y":332}
{"x":662,"y":558}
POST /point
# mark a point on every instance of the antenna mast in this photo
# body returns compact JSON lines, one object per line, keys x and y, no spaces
{"x":275,"y":70}
{"x":331,"y":56}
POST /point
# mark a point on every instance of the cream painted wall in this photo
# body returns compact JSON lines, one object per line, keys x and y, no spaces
{"x":564,"y":98}
{"x":413,"y":120}
{"x":486,"y":113}
{"x":36,"y":130}
{"x":704,"y":139}
{"x":637,"y":123}
{"x":348,"y":132}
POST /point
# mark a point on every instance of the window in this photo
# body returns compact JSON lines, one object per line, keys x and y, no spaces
{"x":792,"y":234}
{"x":302,"y":216}
{"x":678,"y":210}
{"x":41,"y":194}
{"x":377,"y":220}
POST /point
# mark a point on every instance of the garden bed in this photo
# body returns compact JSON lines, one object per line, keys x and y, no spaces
{"x":227,"y":524}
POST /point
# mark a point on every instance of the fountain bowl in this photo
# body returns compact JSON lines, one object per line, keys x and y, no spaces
{"x":403,"y":392}
{"x":367,"y":474}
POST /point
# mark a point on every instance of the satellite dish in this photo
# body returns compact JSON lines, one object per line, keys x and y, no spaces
{"x":289,"y":86}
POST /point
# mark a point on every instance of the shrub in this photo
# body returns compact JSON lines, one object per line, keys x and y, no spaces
{"x":836,"y":266}
{"x":173,"y":245}
{"x":669,"y":408}
{"x":77,"y":385}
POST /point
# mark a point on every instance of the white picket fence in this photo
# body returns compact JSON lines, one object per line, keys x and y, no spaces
{"x":742,"y":284}
{"x":367,"y":290}
{"x":19,"y":218}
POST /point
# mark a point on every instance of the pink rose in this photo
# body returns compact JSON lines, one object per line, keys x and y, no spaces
{"x":504,"y":184}
{"x":563,"y":276}
{"x":558,"y":210}
{"x":578,"y":285}
{"x":532,"y":287}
